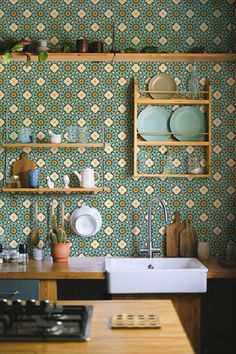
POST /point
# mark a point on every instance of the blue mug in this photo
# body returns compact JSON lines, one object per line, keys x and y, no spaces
{"x":34,"y":178}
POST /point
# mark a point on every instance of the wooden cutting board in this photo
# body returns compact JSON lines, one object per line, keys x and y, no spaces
{"x":188,"y":241}
{"x":22,"y":167}
{"x":173,"y":235}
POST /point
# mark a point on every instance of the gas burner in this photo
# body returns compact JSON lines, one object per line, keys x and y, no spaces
{"x":29,"y":321}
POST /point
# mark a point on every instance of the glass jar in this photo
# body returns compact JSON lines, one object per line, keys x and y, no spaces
{"x":14,"y":255}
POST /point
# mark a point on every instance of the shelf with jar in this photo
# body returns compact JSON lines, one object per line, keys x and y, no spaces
{"x":183,"y":125}
{"x":23,"y":176}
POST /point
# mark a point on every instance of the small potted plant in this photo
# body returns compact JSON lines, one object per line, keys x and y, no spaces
{"x":60,"y":246}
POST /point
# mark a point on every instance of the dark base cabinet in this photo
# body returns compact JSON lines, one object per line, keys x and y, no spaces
{"x":218,"y":317}
{"x":82,"y":289}
{"x":24,"y":289}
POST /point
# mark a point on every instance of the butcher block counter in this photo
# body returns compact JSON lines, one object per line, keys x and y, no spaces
{"x":170,"y":338}
{"x":80,"y":268}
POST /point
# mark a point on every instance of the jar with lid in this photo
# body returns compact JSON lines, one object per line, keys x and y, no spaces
{"x":14,"y":255}
{"x":23,"y":254}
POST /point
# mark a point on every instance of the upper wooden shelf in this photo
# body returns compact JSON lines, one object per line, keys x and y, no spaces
{"x":51,"y":145}
{"x":133,"y":57}
{"x":94,"y":190}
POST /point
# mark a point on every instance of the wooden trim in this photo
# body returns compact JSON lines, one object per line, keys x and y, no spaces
{"x":133,"y":57}
{"x":175,"y":57}
{"x":50,"y":145}
{"x":48,"y":290}
{"x":172,"y":143}
{"x":154,"y":101}
{"x":188,"y":175}
{"x":55,"y":190}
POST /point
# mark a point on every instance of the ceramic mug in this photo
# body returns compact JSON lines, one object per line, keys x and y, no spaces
{"x":34,"y":178}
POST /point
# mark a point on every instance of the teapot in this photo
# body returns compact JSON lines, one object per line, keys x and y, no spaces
{"x":86,"y":178}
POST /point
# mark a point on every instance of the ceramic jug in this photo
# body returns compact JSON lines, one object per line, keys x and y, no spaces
{"x":87,"y":178}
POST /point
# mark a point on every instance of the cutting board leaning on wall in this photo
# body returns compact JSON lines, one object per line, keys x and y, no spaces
{"x":173,"y":236}
{"x":22,"y":167}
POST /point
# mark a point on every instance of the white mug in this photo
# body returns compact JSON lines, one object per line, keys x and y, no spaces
{"x":203,"y":250}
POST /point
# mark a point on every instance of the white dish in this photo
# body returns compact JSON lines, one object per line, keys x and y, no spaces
{"x":86,"y":221}
{"x":162,"y":82}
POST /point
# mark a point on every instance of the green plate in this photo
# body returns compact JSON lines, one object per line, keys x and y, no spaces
{"x":188,"y":119}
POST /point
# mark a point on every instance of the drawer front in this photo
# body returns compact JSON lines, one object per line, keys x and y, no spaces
{"x":19,"y":289}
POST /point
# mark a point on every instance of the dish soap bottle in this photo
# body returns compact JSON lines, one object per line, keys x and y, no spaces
{"x":169,"y":165}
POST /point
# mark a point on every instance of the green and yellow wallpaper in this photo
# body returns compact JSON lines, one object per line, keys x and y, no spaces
{"x":99,"y":95}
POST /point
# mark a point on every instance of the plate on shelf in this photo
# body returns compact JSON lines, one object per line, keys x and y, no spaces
{"x":188,"y":119}
{"x":162,"y":82}
{"x":154,"y":119}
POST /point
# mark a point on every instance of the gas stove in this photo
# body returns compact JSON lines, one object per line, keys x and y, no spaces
{"x":31,"y":321}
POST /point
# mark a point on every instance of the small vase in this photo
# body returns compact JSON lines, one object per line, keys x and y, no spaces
{"x":37,"y":254}
{"x":203,"y":250}
{"x":60,"y":252}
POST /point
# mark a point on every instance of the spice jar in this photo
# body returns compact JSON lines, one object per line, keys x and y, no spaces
{"x":23,"y":254}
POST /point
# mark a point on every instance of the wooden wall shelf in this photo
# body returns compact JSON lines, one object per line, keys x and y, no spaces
{"x":133,"y":57}
{"x":56,"y":190}
{"x":51,"y":145}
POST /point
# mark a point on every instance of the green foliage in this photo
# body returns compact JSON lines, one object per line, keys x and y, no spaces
{"x":42,"y":56}
{"x":56,"y":235}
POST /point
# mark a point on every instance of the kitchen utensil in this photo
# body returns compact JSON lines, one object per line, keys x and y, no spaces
{"x":188,"y":241}
{"x":125,"y":320}
{"x":25,"y":135}
{"x":35,"y":236}
{"x":154,"y":119}
{"x":54,"y":138}
{"x":173,"y":236}
{"x":162,"y":82}
{"x":62,"y":215}
{"x":86,"y":221}
{"x":22,"y":167}
{"x":34,"y":178}
{"x":188,"y":119}
{"x":87,"y":178}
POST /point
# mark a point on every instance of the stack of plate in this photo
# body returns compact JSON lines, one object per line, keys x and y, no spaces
{"x":155,"y":119}
{"x":86,"y":221}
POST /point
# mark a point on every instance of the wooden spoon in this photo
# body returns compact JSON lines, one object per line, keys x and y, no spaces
{"x":35,"y":236}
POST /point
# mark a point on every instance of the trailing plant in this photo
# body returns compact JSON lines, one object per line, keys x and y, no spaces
{"x":56,"y":234}
{"x":19,"y":48}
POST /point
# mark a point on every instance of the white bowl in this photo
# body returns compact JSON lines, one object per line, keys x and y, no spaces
{"x":86,"y":221}
{"x":55,"y":138}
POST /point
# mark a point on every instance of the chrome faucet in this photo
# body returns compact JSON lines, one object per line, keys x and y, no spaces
{"x":150,"y":250}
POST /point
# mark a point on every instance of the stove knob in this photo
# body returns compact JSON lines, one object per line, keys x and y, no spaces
{"x":17,"y":304}
{"x":3,"y":303}
{"x":44,"y":304}
{"x":30,"y":303}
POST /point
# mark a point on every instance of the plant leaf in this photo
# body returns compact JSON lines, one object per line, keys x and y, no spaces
{"x":28,"y":61}
{"x":7,"y":57}
{"x":17,"y":48}
{"x":42,"y":56}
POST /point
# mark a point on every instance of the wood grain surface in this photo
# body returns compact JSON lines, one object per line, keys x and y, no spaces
{"x":172,"y":236}
{"x":170,"y":338}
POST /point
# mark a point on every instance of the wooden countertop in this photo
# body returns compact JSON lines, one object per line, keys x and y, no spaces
{"x":86,"y":268}
{"x":104,"y":340}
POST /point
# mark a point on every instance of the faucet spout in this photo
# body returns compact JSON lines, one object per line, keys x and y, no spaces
{"x":150,"y":249}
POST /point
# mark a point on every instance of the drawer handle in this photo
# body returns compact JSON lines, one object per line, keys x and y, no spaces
{"x":6,"y":295}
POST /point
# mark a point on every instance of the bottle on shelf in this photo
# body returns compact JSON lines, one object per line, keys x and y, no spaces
{"x":193,"y":85}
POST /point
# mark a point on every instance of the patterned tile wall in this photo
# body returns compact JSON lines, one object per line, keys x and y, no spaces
{"x":99,"y":95}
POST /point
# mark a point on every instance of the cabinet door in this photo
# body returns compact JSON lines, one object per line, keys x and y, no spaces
{"x":19,"y":289}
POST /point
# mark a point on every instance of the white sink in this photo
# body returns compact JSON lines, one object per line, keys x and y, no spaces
{"x":155,"y":275}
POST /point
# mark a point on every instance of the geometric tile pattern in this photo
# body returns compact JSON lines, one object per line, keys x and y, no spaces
{"x":100,"y":96}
